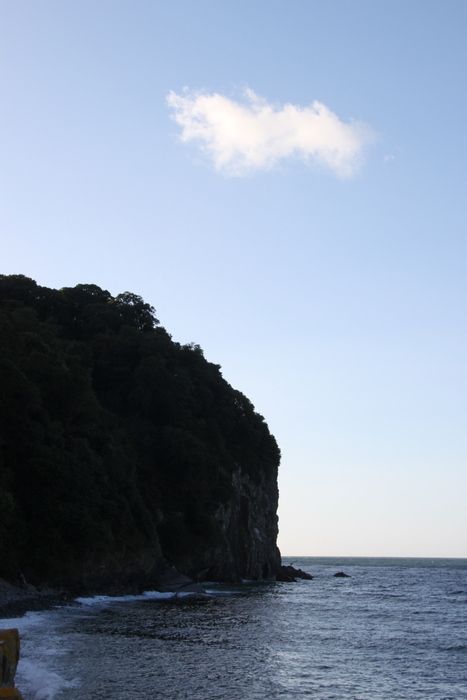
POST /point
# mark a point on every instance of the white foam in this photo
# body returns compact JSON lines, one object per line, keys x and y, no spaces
{"x":103,"y":600}
{"x":39,"y":683}
{"x":188,"y":594}
{"x":40,"y":645}
{"x":159,"y":595}
{"x":28,"y":620}
{"x":42,"y":642}
{"x":110,"y":599}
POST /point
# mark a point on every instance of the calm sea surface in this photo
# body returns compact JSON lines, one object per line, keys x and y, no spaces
{"x":395,"y":630}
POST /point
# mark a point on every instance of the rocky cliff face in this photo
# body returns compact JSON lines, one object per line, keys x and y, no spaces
{"x":245,"y":538}
{"x":242,"y":546}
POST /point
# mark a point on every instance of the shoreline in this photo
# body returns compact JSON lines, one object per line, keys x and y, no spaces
{"x":16,"y":600}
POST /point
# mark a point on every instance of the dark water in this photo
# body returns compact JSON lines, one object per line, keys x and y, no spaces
{"x":395,"y":630}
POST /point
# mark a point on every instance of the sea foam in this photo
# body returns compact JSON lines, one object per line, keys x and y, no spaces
{"x":34,"y":677}
{"x":110,"y":599}
{"x":37,"y":682}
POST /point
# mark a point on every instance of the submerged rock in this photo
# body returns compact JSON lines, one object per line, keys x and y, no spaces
{"x":290,"y":573}
{"x":341,"y":574}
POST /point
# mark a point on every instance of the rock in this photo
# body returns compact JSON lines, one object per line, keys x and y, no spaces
{"x":341,"y":574}
{"x":291,"y":574}
{"x":245,"y":525}
{"x":11,"y":693}
{"x":9,"y":655}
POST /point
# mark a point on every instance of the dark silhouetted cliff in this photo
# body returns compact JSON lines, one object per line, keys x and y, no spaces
{"x":121,"y":451}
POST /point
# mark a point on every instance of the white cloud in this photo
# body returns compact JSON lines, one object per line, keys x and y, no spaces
{"x":254,"y":135}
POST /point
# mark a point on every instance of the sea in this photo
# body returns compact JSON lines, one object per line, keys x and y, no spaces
{"x":395,"y":629}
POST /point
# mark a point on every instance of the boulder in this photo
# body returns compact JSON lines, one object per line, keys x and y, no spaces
{"x":291,"y":574}
{"x":9,"y":655}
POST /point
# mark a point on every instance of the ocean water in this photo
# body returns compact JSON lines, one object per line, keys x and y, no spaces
{"x":395,"y":630}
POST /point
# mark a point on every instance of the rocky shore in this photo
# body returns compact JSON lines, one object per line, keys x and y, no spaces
{"x":16,"y":599}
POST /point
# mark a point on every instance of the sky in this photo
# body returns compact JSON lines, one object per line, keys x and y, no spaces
{"x":285,"y":182}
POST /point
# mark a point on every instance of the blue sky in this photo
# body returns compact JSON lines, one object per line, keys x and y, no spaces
{"x":337,"y":304}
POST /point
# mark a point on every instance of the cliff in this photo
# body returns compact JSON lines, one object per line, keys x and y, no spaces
{"x":125,"y":457}
{"x":246,"y":527}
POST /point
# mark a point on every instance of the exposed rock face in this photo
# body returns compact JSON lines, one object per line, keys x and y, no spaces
{"x":242,"y":546}
{"x":115,"y":574}
{"x":245,"y":542}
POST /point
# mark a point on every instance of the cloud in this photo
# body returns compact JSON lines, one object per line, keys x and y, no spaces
{"x":252,"y":135}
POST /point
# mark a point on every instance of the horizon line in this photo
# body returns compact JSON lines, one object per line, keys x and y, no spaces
{"x":367,"y":556}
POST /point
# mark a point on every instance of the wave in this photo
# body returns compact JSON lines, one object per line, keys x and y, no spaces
{"x":28,"y":620}
{"x":35,"y":679}
{"x":456,"y":647}
{"x":103,"y":600}
{"x":40,"y":683}
{"x":42,"y":640}
{"x":108,"y":599}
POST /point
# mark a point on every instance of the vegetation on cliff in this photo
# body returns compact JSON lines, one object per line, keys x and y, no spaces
{"x":114,"y":439}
